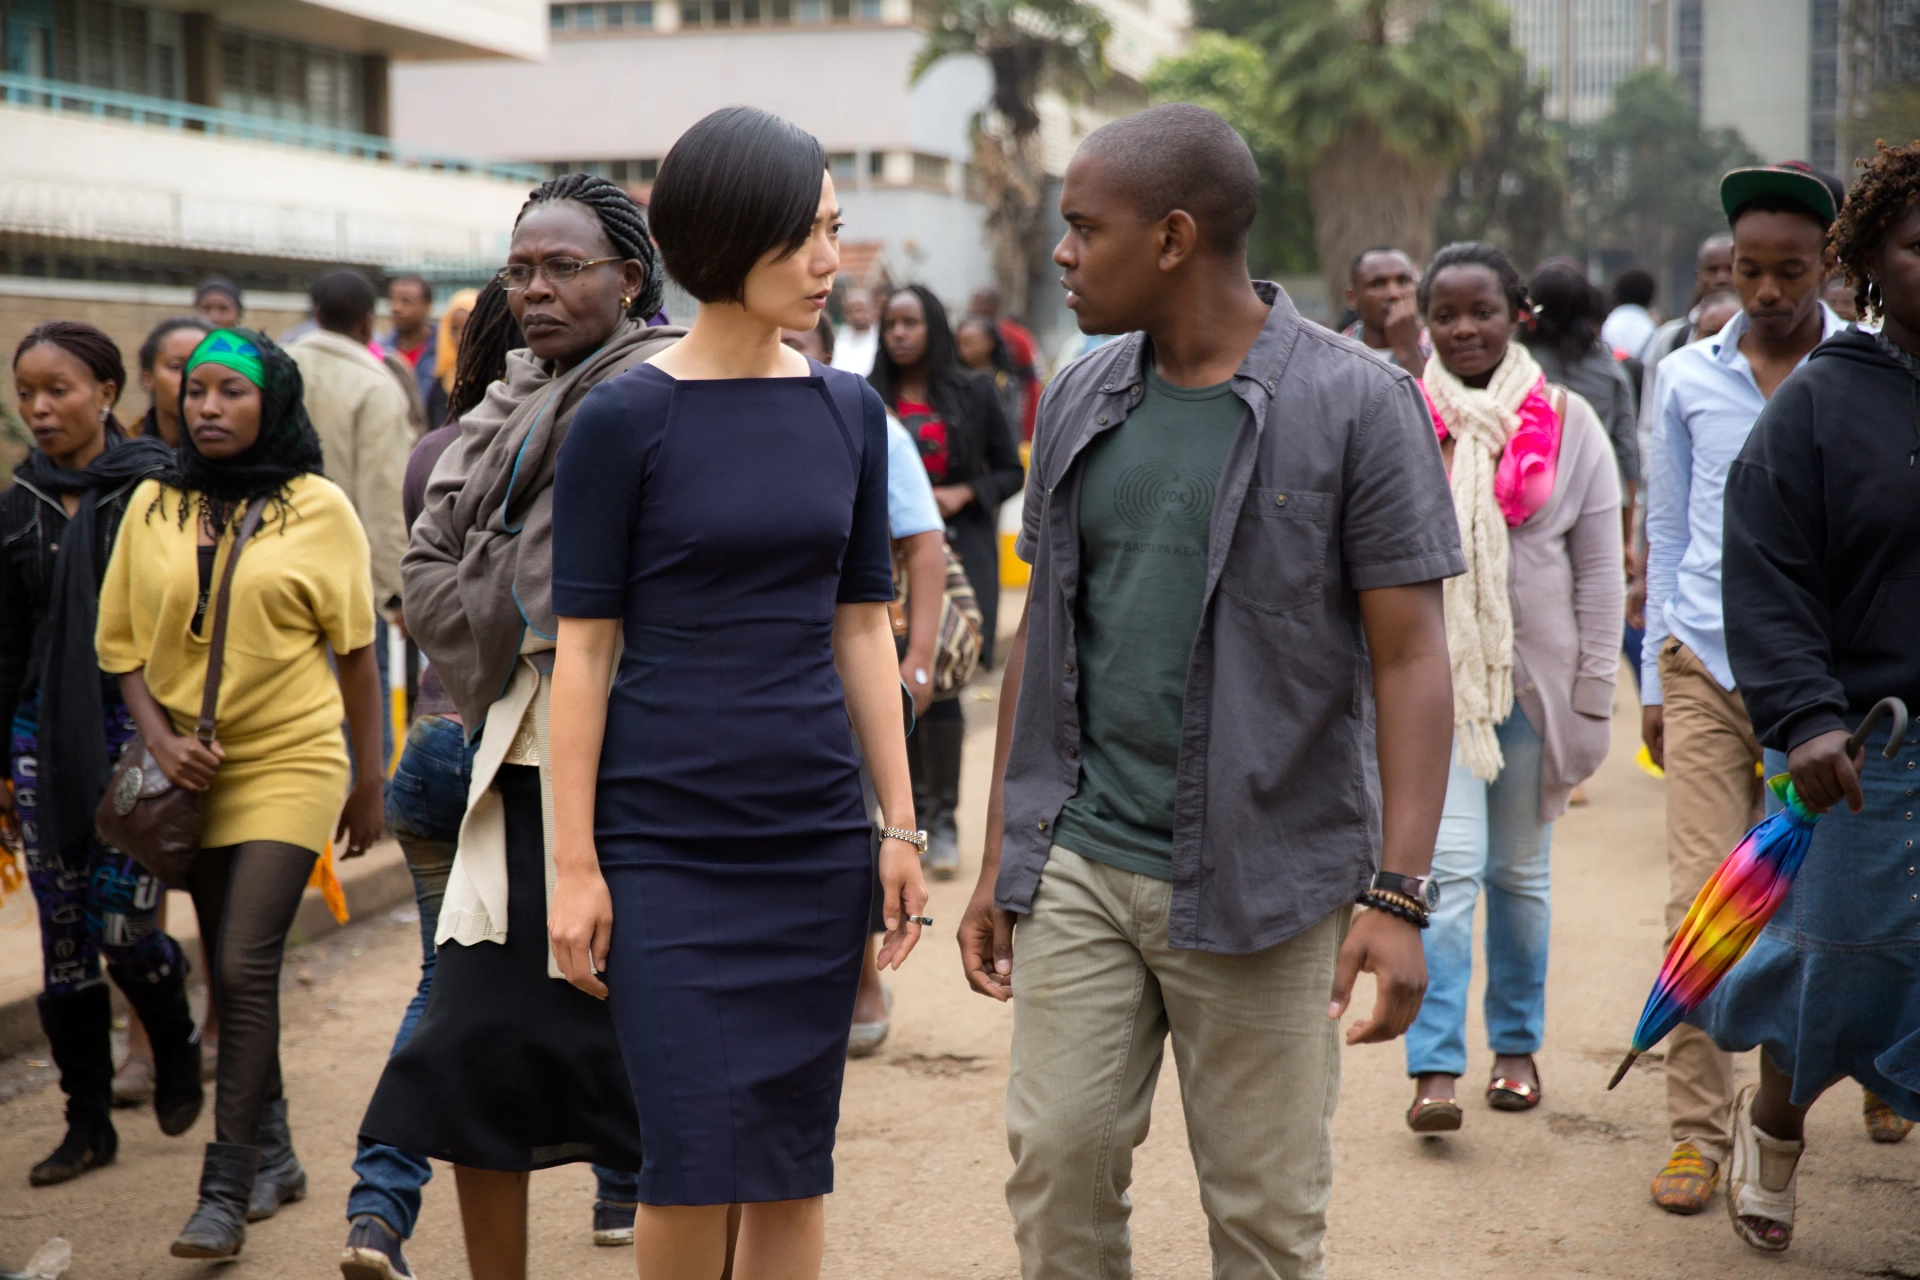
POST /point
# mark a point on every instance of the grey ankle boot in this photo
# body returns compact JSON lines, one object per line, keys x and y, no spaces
{"x":281,"y":1179}
{"x":218,"y":1227}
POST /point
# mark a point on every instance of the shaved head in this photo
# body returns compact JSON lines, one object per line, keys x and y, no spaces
{"x":1180,"y":156}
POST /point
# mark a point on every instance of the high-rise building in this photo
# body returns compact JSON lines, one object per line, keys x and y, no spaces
{"x":143,"y":146}
{"x":1800,"y":78}
{"x":623,"y":81}
{"x":1581,"y":49}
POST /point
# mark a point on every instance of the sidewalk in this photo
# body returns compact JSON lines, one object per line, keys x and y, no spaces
{"x":373,"y":883}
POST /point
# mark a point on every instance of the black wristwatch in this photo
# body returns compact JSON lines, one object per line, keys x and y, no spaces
{"x":1424,"y":890}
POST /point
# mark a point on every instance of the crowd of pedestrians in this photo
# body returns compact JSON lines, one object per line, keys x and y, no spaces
{"x":1321,"y":641}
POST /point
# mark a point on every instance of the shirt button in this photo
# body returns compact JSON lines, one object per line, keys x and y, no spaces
{"x":1107,"y":387}
{"x":1279,"y":499}
{"x":1043,"y":824}
{"x":1069,"y":668}
{"x":1269,"y":384}
{"x":1073,"y":753}
{"x":1102,"y":419}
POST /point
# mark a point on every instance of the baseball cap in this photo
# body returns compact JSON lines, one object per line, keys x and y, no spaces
{"x":1820,"y":194}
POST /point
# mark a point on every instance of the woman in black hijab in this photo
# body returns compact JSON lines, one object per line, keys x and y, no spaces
{"x":58,"y":521}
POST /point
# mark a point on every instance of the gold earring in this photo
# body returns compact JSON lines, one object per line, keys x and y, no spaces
{"x":626,"y":300}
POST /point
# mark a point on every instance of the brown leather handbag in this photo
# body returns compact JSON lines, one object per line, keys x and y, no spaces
{"x":143,"y":814}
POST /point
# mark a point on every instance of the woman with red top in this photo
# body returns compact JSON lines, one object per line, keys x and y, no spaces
{"x":968,"y":447}
{"x":1533,"y":632}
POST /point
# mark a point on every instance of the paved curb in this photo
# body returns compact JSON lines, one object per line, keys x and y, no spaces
{"x":379,"y":884}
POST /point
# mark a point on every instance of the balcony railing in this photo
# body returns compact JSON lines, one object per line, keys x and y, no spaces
{"x":108,"y":104}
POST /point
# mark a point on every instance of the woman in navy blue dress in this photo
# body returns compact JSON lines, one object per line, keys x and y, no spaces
{"x":725,"y":503}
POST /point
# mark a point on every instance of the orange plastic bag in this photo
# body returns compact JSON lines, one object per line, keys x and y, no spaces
{"x":328,"y":883}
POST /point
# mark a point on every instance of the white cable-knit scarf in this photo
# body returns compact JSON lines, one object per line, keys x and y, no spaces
{"x":1479,"y":609}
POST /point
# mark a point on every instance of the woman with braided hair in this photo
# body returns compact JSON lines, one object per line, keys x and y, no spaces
{"x":297,"y":659}
{"x":1821,"y":584}
{"x":66,"y":723}
{"x":508,"y":1070}
{"x":1533,"y":631}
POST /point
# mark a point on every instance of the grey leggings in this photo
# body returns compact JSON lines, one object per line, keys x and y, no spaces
{"x":246,"y":896}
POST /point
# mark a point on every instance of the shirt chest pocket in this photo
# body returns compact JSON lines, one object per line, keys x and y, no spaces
{"x":1278,"y":558}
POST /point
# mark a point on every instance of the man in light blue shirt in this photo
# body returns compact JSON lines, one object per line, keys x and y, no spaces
{"x":1692,"y":718}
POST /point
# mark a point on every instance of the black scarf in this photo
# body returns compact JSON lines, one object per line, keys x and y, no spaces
{"x":288,"y":447}
{"x":72,"y":733}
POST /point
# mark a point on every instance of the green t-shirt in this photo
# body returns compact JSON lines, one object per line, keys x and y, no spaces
{"x":1146,"y":501}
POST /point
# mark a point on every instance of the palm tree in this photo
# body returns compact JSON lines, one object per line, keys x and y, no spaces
{"x":1376,"y":101}
{"x":1030,"y":45}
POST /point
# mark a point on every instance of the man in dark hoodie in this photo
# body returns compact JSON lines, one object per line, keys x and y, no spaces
{"x":1822,"y":597}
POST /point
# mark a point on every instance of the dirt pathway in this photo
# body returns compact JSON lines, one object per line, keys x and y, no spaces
{"x":922,"y":1154}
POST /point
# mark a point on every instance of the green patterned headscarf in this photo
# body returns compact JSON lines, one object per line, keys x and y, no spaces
{"x":230,"y":349}
{"x":286,"y":448}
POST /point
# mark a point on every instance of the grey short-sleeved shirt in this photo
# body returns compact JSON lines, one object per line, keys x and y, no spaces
{"x":1333,"y":486}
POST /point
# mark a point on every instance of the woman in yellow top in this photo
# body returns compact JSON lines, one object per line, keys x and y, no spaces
{"x":299,"y":646}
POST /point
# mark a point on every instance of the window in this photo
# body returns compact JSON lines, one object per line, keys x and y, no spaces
{"x":583,"y":17}
{"x":876,"y":164}
{"x":843,"y":165}
{"x":616,"y":17}
{"x":933,"y":171}
{"x":782,"y":12}
{"x":810,"y":11}
{"x":842,"y":10}
{"x":690,"y":13}
{"x":557,"y":17}
{"x":722,"y":13}
{"x":869,"y":10}
{"x":106,"y":45}
{"x":262,"y":76}
{"x":750,"y":12}
{"x":649,"y":169}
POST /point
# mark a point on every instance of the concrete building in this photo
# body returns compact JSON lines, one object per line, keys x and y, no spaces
{"x":1581,"y":49}
{"x":143,"y":146}
{"x":1796,"y":78}
{"x":623,"y":81}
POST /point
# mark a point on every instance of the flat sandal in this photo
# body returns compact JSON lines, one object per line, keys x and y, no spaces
{"x":1434,"y":1115}
{"x":1507,"y":1094}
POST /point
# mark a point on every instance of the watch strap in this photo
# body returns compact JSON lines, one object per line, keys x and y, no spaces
{"x":918,"y":839}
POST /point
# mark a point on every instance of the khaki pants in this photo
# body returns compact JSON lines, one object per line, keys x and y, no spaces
{"x":1096,"y":993}
{"x":1713,"y":796}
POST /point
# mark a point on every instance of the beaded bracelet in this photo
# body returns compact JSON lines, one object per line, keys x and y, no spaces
{"x":1394,"y":905}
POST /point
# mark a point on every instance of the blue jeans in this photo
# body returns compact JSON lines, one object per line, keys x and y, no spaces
{"x":426,"y":799}
{"x":1491,"y":835}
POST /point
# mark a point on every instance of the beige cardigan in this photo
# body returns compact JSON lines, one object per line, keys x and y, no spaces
{"x":475,"y":907}
{"x":1569,"y":597}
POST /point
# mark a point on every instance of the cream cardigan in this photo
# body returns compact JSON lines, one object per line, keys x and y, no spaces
{"x":475,"y":907}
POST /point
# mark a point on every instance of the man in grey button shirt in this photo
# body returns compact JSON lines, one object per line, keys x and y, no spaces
{"x":1216,"y":622}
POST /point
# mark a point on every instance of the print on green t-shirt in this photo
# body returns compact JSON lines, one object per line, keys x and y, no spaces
{"x":1146,"y":503}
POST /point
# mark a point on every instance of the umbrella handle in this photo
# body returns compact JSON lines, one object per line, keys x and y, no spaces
{"x":1896,"y":736}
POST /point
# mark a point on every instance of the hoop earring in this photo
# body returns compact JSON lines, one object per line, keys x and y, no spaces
{"x":1873,"y":295}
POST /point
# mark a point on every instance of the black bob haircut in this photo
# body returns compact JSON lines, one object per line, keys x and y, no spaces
{"x":1179,"y":156}
{"x":742,"y":183}
{"x":341,"y":300}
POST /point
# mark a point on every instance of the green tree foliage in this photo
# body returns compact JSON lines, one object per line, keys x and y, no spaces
{"x":1372,"y":102}
{"x":1030,"y":45}
{"x":1228,"y":76}
{"x":1645,"y":179}
{"x":1512,"y":189}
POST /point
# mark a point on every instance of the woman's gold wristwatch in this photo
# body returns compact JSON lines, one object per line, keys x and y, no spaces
{"x":918,"y":839}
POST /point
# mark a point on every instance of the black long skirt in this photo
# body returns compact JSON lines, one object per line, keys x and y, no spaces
{"x":508,"y":1068}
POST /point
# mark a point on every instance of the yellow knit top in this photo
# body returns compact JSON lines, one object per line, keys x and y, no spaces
{"x":303,"y":587}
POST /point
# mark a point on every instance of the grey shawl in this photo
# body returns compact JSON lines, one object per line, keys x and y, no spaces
{"x":478,"y":573}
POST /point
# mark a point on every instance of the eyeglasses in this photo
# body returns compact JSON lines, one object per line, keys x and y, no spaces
{"x":519,"y":275}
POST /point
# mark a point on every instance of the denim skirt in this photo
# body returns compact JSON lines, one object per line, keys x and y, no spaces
{"x":1832,"y":985}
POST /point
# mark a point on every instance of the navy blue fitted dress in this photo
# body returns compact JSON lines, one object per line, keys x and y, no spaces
{"x":722,"y":522}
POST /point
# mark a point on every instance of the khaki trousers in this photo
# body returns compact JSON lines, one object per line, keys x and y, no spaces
{"x":1713,"y":796}
{"x":1097,"y":991}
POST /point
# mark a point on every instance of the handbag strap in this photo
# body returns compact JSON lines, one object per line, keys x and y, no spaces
{"x":216,"y":655}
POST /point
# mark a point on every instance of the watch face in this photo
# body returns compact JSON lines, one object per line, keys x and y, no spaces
{"x":1430,"y":893}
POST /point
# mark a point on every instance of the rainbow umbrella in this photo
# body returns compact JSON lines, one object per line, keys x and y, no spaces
{"x":1739,"y":898}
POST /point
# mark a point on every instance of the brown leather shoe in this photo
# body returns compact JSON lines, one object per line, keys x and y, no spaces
{"x":1687,"y":1183}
